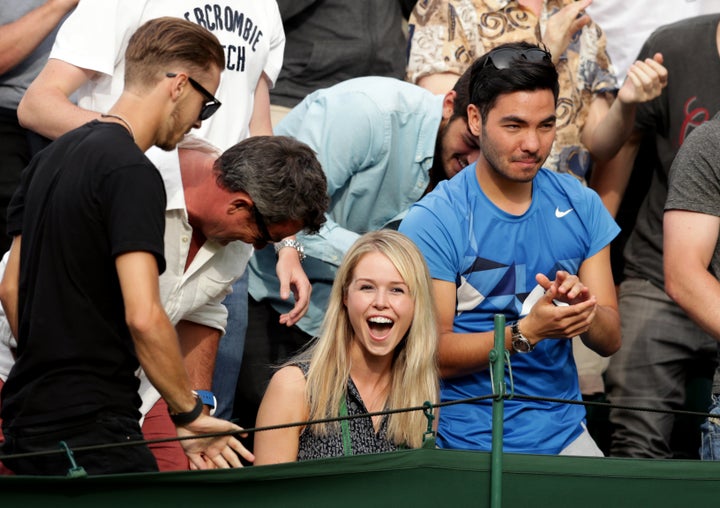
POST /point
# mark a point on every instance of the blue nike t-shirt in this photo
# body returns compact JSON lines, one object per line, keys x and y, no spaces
{"x":493,"y":257}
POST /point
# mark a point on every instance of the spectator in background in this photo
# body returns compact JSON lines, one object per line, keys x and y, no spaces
{"x":87,"y":57}
{"x":628,"y":24}
{"x":692,"y":250}
{"x":329,"y":41}
{"x":27,"y":31}
{"x":661,"y":345}
{"x":447,"y":35}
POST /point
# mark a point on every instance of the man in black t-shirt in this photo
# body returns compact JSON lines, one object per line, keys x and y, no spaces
{"x":82,"y":295}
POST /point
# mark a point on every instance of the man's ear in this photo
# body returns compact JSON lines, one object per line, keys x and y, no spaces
{"x":474,"y":120}
{"x":449,"y":104}
{"x":177,"y":84}
{"x":239,"y":201}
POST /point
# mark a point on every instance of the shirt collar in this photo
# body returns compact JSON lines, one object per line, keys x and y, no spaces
{"x":427,"y":137}
{"x":168,"y":165}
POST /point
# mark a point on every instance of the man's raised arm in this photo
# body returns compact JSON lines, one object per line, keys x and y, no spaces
{"x":46,"y":107}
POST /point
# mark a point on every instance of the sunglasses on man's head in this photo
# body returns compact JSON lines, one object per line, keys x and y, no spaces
{"x":502,"y":58}
{"x":212,"y":104}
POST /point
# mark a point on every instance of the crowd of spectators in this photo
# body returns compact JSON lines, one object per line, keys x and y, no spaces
{"x":538,"y":157}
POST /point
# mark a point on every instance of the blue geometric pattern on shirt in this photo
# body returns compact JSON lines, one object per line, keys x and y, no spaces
{"x":506,"y":286}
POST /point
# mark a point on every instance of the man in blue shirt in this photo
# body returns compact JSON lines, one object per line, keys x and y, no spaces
{"x":508,"y":237}
{"x":383,"y":143}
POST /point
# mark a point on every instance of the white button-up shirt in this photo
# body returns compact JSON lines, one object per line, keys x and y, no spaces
{"x":195,"y":294}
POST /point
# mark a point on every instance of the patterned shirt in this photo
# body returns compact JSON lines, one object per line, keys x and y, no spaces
{"x":363,"y":437}
{"x":448,"y":35}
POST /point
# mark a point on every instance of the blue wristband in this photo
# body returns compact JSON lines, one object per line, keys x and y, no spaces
{"x":208,"y":398}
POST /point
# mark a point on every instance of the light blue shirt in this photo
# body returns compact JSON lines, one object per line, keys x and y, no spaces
{"x":375,"y":138}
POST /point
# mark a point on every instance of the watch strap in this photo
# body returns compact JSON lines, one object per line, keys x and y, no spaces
{"x":520,"y":343}
{"x":189,"y":416}
{"x":295,"y":244}
{"x":208,"y":399}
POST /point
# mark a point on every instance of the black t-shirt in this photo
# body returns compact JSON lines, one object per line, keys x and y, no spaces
{"x":690,"y":52}
{"x":89,"y":197}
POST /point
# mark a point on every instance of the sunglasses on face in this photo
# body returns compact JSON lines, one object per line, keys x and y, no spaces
{"x":262,"y":226}
{"x":502,"y":58}
{"x":212,"y":104}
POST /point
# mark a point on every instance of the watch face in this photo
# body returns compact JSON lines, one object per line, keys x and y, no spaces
{"x":521,"y":345}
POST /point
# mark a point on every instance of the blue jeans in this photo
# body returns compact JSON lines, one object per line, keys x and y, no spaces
{"x":230,"y":350}
{"x":661,"y":346}
{"x":710,"y":443}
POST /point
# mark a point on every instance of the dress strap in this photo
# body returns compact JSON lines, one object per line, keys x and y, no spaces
{"x":345,"y":427}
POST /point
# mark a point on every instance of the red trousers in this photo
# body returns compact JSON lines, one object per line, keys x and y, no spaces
{"x":157,"y":425}
{"x":3,"y":469}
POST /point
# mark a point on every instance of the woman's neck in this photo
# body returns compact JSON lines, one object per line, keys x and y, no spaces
{"x":372,"y":379}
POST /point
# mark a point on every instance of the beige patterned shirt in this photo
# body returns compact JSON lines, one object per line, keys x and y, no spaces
{"x":447,"y":35}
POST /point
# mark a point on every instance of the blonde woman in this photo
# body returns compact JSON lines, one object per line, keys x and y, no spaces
{"x":376,"y":351}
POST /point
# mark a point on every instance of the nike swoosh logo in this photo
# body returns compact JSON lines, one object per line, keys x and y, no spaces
{"x":560,"y":214}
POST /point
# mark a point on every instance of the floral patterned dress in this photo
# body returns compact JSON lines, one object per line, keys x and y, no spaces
{"x":362,"y":436}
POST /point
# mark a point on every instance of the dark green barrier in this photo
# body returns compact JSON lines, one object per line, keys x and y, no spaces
{"x":433,"y":478}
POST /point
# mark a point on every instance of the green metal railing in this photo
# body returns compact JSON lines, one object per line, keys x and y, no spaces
{"x":497,"y":371}
{"x":404,"y":475}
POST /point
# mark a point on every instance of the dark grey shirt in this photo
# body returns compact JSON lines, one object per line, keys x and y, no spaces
{"x":15,"y":81}
{"x":690,"y":99}
{"x":695,"y":186}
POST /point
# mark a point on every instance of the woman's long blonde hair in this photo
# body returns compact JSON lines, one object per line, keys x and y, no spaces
{"x":414,"y":377}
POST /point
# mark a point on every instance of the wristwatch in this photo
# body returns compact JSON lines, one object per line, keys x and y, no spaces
{"x":289,"y":242}
{"x":208,"y":399}
{"x":187,"y":417}
{"x":520,"y":343}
